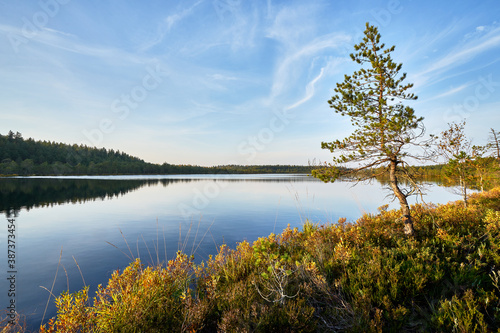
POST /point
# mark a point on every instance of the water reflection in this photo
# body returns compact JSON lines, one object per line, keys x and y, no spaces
{"x":34,"y":192}
{"x":18,"y":193}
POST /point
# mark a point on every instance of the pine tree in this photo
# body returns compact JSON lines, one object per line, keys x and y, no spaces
{"x":384,"y":127}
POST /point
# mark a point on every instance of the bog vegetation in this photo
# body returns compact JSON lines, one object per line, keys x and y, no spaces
{"x":359,"y":276}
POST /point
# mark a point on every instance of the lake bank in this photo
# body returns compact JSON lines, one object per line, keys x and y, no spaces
{"x":362,"y":276}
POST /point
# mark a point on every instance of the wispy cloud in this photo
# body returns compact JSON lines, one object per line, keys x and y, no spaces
{"x":310,"y":88}
{"x":167,"y":24}
{"x":70,"y":43}
{"x":467,"y":52}
{"x":59,"y":32}
{"x":488,"y":39}
{"x":450,"y":92}
{"x":293,"y":24}
{"x":480,"y":30}
{"x":285,"y":70}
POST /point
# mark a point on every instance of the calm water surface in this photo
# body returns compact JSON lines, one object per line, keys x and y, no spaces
{"x":90,"y":221}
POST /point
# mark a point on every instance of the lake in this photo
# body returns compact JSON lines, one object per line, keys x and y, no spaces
{"x":94,"y":225}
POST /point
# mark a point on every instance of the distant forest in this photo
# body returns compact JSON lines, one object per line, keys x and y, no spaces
{"x":24,"y":157}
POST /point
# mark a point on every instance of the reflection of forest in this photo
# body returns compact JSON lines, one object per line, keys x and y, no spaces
{"x":18,"y":193}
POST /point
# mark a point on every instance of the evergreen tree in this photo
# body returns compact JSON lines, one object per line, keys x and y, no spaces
{"x":384,"y":127}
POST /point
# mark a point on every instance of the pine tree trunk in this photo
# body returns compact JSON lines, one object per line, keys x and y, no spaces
{"x":405,"y":208}
{"x":465,"y":194}
{"x":463,"y":186}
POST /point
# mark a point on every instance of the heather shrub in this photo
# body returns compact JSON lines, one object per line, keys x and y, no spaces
{"x":460,"y":314}
{"x":138,"y":299}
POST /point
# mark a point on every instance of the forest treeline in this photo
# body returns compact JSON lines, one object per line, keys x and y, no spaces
{"x":24,"y":157}
{"x":485,"y":176}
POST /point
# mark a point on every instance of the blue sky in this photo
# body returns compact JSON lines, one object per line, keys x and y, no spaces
{"x":231,"y":81}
